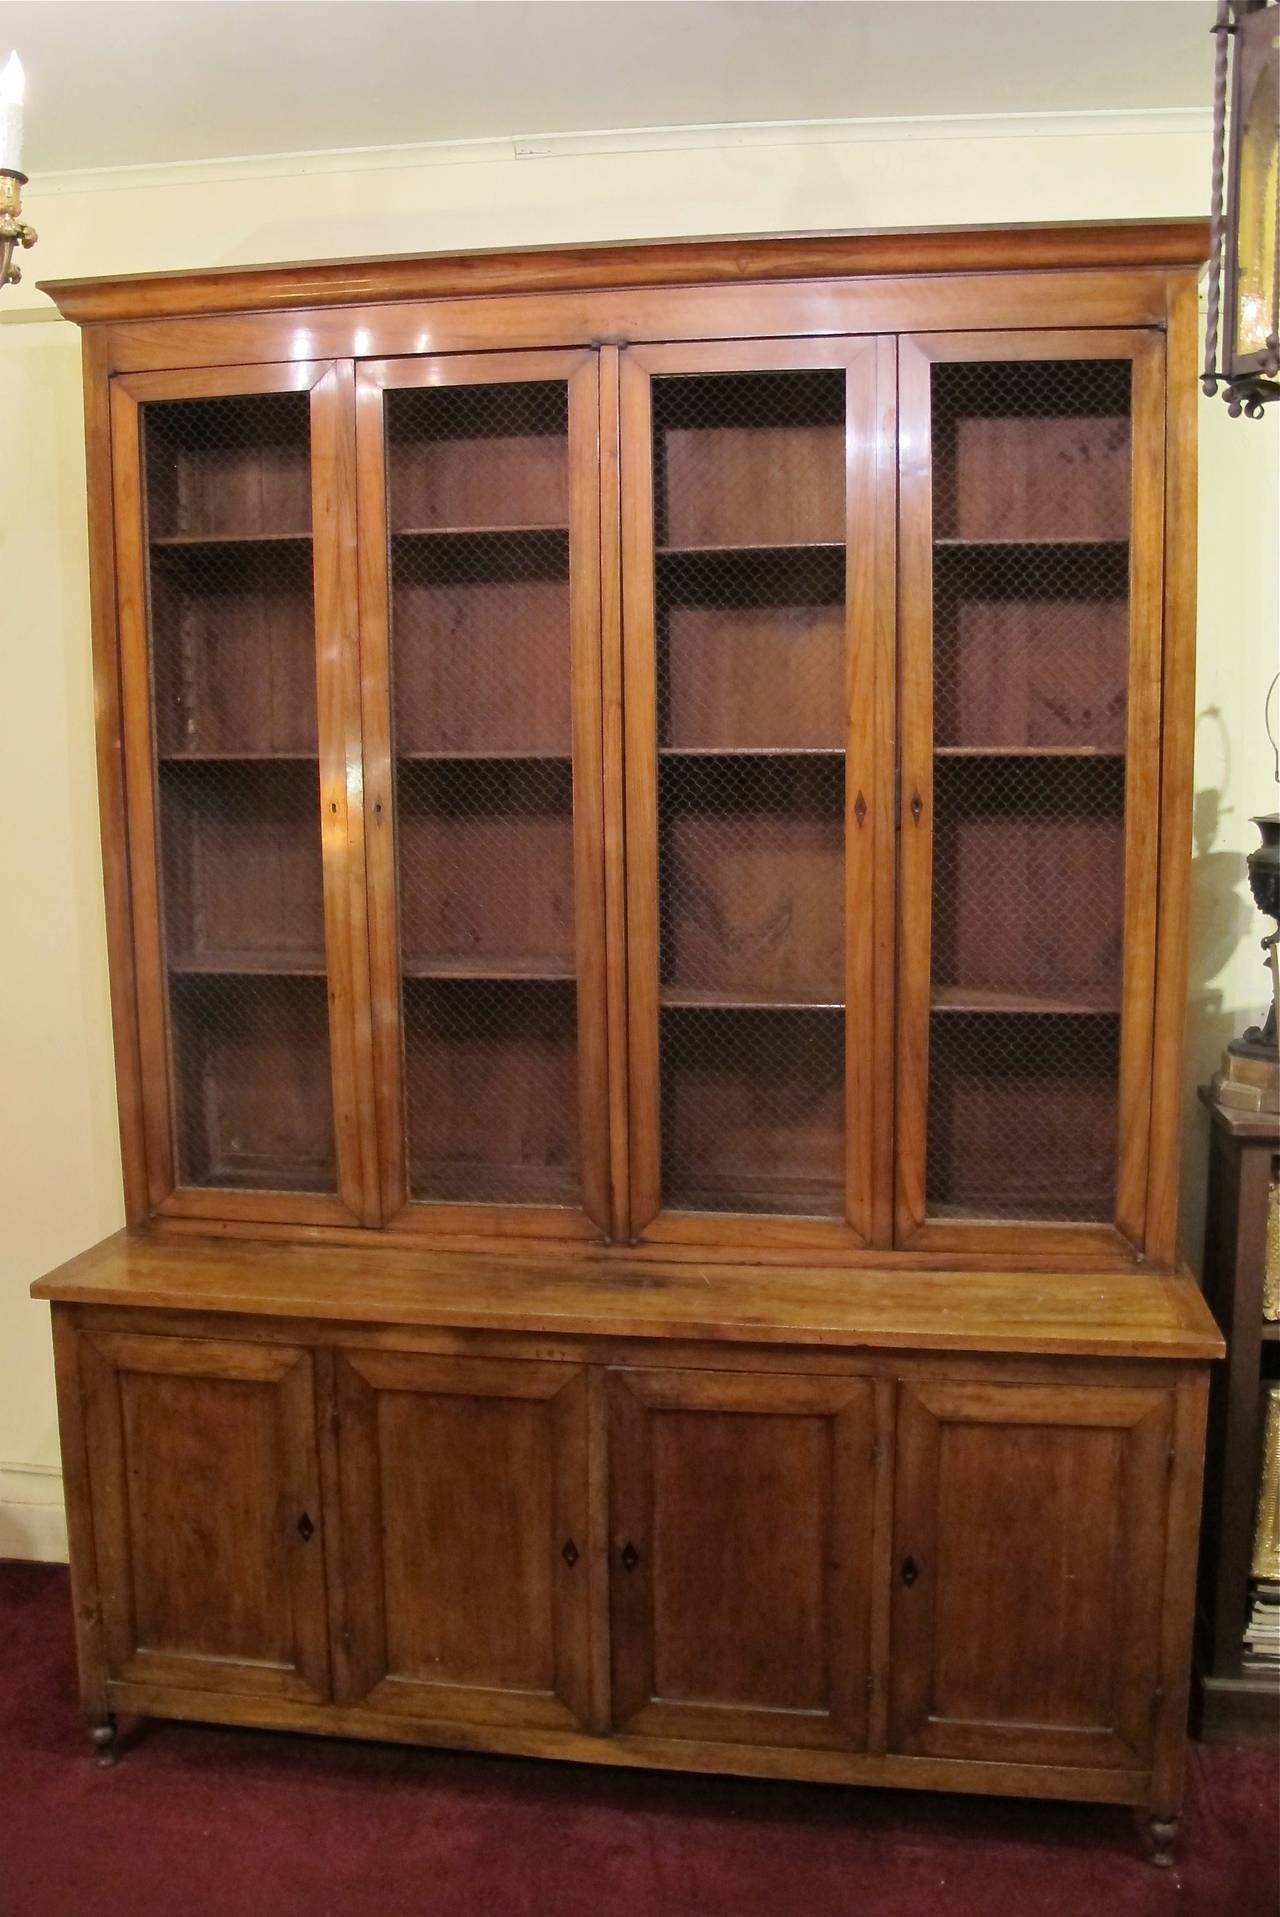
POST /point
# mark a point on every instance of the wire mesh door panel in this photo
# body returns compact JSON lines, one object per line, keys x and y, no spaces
{"x":1031,"y":511}
{"x":753,"y":524}
{"x":483,"y":475}
{"x":228,"y":772}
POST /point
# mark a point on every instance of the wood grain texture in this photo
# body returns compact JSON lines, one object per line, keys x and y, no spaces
{"x":755,"y":1627}
{"x":207,"y":1506}
{"x":465,"y":1533}
{"x":1116,"y":1314}
{"x":663,"y":263}
{"x":1176,"y":770}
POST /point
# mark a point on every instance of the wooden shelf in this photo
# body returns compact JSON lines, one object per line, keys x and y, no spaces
{"x":786,"y":548}
{"x":1071,"y":541}
{"x":515,"y":755}
{"x":967,"y":1000}
{"x":504,"y":967}
{"x":523,"y":531}
{"x":238,"y":758}
{"x":751,"y":752}
{"x":181,"y":542}
{"x":248,"y":964}
{"x":1026,"y":752}
{"x":697,"y":998}
{"x":1270,"y":1332}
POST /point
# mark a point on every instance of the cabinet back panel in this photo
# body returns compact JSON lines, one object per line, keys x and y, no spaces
{"x":756,"y":459}
{"x":228,"y":467}
{"x":746,"y":676}
{"x":253,"y":1095}
{"x":753,"y":1111}
{"x":233,"y":637}
{"x":491,"y":1091}
{"x":1032,"y":450}
{"x":241,"y":860}
{"x":467,"y":1539}
{"x":209,"y":1565}
{"x":486,"y":862}
{"x":1029,"y":877}
{"x":482,"y":663}
{"x":478,"y":456}
{"x":1022,"y":1116}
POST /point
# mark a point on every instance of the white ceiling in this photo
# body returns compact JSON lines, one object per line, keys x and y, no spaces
{"x":120,"y":83}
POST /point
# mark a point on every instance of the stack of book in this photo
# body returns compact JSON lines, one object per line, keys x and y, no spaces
{"x":1262,"y":1632}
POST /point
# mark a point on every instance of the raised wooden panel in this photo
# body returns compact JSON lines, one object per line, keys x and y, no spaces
{"x":207,"y":1513}
{"x":1029,"y":1550}
{"x":740,"y":1556}
{"x":466,"y":1548}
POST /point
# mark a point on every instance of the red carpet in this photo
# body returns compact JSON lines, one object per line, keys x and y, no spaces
{"x":212,"y":1823}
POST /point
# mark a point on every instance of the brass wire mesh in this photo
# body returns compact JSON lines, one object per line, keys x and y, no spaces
{"x":477,"y":503}
{"x":237,"y":790}
{"x":749,"y":608}
{"x":1030,"y":604}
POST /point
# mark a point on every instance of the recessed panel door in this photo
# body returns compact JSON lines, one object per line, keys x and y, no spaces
{"x":207,"y":1516}
{"x":464,"y":1506}
{"x":740,"y":1556}
{"x":1029,"y":1552}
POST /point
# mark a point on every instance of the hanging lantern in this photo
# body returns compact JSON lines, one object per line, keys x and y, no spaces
{"x":1244,"y":258}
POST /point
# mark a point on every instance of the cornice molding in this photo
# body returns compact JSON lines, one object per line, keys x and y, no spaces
{"x":1146,"y":122}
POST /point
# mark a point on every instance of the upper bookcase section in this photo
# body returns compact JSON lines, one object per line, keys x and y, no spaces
{"x":729,"y":262}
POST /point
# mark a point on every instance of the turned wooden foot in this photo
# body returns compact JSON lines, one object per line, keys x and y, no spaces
{"x":102,"y":1735}
{"x":1164,"y":1835}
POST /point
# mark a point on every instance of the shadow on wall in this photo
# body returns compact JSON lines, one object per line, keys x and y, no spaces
{"x":1222,"y":917}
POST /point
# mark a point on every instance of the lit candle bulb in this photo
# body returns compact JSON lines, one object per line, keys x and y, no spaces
{"x":11,"y":87}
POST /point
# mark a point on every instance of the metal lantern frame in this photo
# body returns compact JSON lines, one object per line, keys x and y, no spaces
{"x":1245,"y":35}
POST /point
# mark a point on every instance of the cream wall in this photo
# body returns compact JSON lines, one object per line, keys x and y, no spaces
{"x":59,"y":1161}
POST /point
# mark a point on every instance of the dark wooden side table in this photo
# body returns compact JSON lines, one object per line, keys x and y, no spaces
{"x":1231,"y":1705}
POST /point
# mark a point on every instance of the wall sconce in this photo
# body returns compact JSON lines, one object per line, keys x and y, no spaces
{"x":1248,"y":151}
{"x":14,"y":230}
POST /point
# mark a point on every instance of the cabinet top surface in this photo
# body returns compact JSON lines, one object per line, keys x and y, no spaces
{"x":265,"y":288}
{"x":1101,"y":1314}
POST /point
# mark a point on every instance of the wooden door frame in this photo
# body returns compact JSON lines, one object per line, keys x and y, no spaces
{"x":870,"y":433}
{"x":578,"y":369}
{"x":340,"y":809}
{"x":918,"y":353}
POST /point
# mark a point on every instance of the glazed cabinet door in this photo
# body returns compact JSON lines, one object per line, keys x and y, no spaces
{"x":465,"y":1543}
{"x":207,"y":1518}
{"x":742,"y":1518}
{"x":480,"y":557}
{"x":1029,"y":1547}
{"x":758,"y":529}
{"x":1032,"y":487}
{"x":235,"y":561}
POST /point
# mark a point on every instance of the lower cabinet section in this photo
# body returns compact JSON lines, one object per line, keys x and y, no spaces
{"x":977,"y":1581}
{"x":741,"y":1521}
{"x":465,"y":1529}
{"x":207,"y":1514}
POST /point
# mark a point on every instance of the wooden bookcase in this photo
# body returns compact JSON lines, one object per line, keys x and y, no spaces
{"x":645,"y":800}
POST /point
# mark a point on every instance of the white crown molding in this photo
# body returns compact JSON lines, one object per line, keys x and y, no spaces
{"x":1146,"y":122}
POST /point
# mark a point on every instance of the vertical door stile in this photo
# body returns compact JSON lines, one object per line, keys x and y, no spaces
{"x":338,"y":682}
